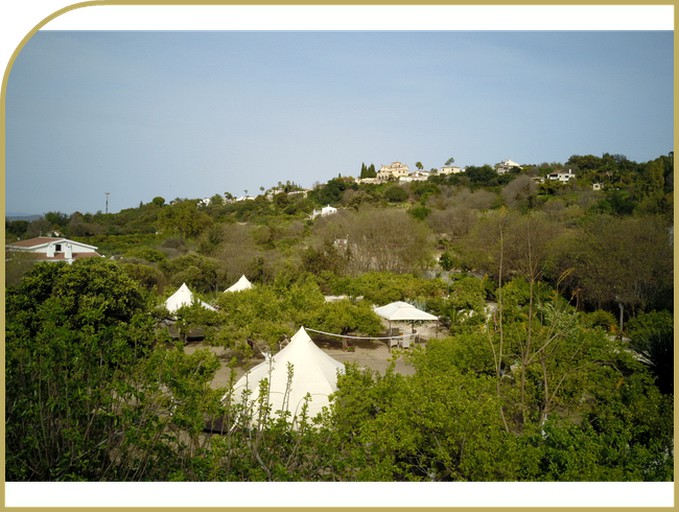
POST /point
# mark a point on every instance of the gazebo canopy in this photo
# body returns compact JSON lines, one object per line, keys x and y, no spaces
{"x":402,"y":311}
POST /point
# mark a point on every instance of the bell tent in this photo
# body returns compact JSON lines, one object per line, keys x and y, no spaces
{"x":184,"y":297}
{"x":240,"y":285}
{"x":314,"y":373}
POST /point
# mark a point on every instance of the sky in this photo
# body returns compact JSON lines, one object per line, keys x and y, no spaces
{"x":190,"y":114}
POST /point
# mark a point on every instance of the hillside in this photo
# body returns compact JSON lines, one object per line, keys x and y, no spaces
{"x":551,"y":359}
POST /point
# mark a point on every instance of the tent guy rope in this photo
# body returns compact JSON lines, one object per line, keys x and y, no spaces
{"x":401,"y":336}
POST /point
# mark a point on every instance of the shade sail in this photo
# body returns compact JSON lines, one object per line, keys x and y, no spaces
{"x":314,"y":372}
{"x":402,"y":311}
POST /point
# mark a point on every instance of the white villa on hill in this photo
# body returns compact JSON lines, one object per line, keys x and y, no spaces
{"x":48,"y":248}
{"x":393,"y":171}
{"x":506,"y":165}
{"x":326,"y":210}
{"x":450,"y":169}
{"x":563,"y":177}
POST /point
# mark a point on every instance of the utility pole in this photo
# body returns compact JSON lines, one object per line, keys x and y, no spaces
{"x":107,"y":194}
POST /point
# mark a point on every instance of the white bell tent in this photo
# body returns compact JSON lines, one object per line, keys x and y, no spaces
{"x":240,"y":285}
{"x":314,"y":373}
{"x":184,"y":297}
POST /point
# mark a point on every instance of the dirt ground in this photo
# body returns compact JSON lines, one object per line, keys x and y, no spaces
{"x":373,"y":354}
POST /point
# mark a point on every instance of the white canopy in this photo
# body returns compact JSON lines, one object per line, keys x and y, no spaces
{"x":240,"y":285}
{"x":402,"y":311}
{"x":183,"y":297}
{"x":314,"y":372}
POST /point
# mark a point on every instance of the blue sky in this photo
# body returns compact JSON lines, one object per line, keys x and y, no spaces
{"x":191,"y":114}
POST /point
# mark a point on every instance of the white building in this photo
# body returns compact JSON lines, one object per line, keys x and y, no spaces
{"x":450,"y":169}
{"x":47,"y":248}
{"x":415,"y":176}
{"x":506,"y":165}
{"x":393,"y":172}
{"x":563,"y":177}
{"x":326,"y":210}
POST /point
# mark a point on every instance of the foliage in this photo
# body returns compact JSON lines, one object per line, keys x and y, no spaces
{"x":345,"y":316}
{"x":608,"y":262}
{"x":198,"y":272}
{"x":395,"y":194}
{"x":381,"y":239}
{"x":184,"y":218}
{"x":652,"y":336}
{"x":73,"y":332}
{"x":530,"y":387}
{"x":382,"y":287}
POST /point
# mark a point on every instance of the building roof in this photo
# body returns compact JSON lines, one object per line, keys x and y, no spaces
{"x":41,"y":241}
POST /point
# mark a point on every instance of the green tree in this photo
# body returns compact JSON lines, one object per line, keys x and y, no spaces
{"x":395,"y":194}
{"x":72,"y":333}
{"x":652,"y":336}
{"x":184,"y":218}
{"x":56,"y":220}
{"x":344,"y":317}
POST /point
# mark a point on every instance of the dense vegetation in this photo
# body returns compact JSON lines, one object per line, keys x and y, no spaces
{"x":556,"y":361}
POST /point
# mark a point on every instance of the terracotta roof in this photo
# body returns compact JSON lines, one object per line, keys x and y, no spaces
{"x":38,"y":240}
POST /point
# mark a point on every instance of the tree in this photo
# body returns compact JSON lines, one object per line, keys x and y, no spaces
{"x":450,"y":161}
{"x":381,"y":240}
{"x":521,"y":193}
{"x":17,"y":228}
{"x":184,"y":218}
{"x":612,"y":260}
{"x":72,"y":334}
{"x":419,"y":166}
{"x":395,"y":194}
{"x":652,"y":336}
{"x":344,"y":317}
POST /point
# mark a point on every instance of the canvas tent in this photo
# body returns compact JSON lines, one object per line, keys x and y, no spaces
{"x":314,"y":372}
{"x":240,"y":285}
{"x":183,"y":297}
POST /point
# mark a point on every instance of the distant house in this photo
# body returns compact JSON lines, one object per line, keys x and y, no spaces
{"x":506,"y":165}
{"x":393,"y":172}
{"x":450,"y":169}
{"x":47,"y":248}
{"x":563,"y":176}
{"x":415,"y":176}
{"x":326,"y":210}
